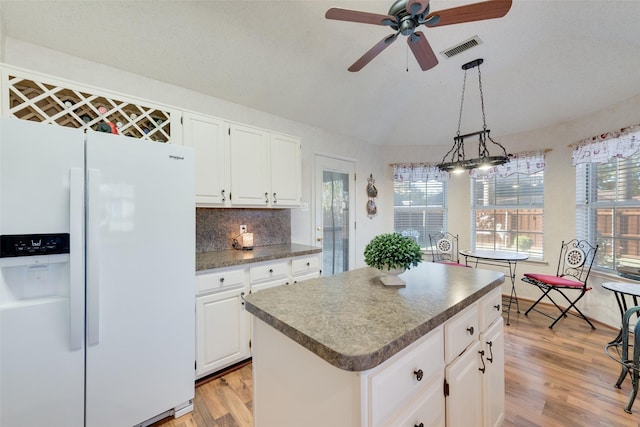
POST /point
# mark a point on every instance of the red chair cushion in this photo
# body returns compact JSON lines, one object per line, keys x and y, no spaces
{"x":552,"y":280}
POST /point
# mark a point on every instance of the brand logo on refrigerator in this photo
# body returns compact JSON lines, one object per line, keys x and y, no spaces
{"x":171,"y":156}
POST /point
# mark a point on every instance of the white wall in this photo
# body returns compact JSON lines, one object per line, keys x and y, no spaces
{"x":560,"y":190}
{"x":371,"y":159}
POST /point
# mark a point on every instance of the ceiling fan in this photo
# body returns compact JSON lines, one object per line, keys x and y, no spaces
{"x":406,"y":15}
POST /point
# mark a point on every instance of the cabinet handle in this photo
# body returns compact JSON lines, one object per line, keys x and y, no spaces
{"x":419,"y":425}
{"x":224,"y":198}
{"x":470,"y":330}
{"x":242,"y":297}
{"x":274,"y":199}
{"x":418,"y":374}
{"x":484,"y":367}
{"x":490,"y":344}
{"x":266,"y":197}
{"x":497,"y":307}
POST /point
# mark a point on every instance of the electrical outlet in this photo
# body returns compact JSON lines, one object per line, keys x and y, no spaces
{"x":243,"y":229}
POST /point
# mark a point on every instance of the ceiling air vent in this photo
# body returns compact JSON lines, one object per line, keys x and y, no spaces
{"x":461,"y":47}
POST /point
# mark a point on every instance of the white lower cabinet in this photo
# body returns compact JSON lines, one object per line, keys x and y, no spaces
{"x":293,"y":386}
{"x":408,"y":390}
{"x":493,"y":381}
{"x":222,"y":331}
{"x":464,"y":381}
{"x":474,"y":379}
{"x":223,"y":327}
{"x":306,"y":267}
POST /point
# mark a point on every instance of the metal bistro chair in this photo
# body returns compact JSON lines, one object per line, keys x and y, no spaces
{"x":631,"y":365}
{"x":444,"y":248}
{"x":574,"y":266}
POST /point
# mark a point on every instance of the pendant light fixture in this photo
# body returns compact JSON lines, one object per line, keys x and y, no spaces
{"x":455,"y":160}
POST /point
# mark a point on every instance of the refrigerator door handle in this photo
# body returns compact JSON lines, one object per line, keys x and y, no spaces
{"x":76,"y":258}
{"x":93,"y":257}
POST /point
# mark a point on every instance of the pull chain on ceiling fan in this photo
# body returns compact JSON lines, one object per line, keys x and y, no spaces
{"x":406,"y":15}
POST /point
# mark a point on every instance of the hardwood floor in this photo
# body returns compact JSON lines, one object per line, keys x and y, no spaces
{"x":559,"y":377}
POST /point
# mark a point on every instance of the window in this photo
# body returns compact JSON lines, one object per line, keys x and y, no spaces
{"x":419,"y":202}
{"x":507,"y":207}
{"x":608,"y":210}
{"x":608,"y":196}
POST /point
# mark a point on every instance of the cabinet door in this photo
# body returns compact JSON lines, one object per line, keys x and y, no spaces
{"x":463,"y":405}
{"x":286,"y":170}
{"x":250,"y":159}
{"x":222,"y":331}
{"x":493,"y":379}
{"x":207,"y":136}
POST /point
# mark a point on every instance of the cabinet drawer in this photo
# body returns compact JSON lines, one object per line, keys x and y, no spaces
{"x":267,"y":285}
{"x":305,"y":265}
{"x":427,"y":410}
{"x":270,"y":271}
{"x":219,"y":280}
{"x":490,"y":308}
{"x":397,"y":383}
{"x":460,"y":331}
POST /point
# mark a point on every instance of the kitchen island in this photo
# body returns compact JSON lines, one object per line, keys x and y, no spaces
{"x":345,"y":350}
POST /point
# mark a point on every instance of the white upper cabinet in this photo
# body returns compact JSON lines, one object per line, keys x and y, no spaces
{"x":250,"y":183}
{"x":285,"y":170}
{"x":265,"y":168}
{"x":208,"y":137}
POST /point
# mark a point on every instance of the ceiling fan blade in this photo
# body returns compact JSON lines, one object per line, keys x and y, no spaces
{"x":422,"y":50}
{"x":472,"y":12}
{"x":416,"y":7}
{"x":373,"y":52}
{"x":357,"y":16}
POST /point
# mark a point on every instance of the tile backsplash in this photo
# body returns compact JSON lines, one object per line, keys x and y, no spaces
{"x":216,"y":228}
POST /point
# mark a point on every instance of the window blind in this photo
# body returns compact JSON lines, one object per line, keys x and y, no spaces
{"x":608,"y":210}
{"x":419,"y":208}
{"x":507,"y":213}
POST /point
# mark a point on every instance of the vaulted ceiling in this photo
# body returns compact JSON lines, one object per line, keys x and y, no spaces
{"x":545,"y":62}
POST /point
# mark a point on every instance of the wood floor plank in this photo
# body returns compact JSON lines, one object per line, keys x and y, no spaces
{"x":553,"y":378}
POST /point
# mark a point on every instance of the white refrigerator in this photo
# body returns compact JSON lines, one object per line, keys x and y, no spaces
{"x":97,"y":278}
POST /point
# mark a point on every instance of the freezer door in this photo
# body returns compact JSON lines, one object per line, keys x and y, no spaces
{"x":41,"y":297}
{"x":140,"y":279}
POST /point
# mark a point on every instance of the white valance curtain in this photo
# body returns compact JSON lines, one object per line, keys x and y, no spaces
{"x":418,"y":172}
{"x":527,"y":163}
{"x":602,"y":148}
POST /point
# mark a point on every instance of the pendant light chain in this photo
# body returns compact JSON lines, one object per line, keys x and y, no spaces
{"x":484,"y":120}
{"x":464,"y":83}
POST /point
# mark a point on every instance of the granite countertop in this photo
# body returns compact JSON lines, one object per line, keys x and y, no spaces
{"x":232,"y":257}
{"x":354,"y":322}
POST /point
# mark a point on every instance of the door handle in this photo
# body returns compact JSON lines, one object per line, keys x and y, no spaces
{"x":319,"y":239}
{"x":93,"y":258}
{"x":76,"y":258}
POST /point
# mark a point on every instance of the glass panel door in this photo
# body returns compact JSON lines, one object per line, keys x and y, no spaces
{"x":335,"y":226}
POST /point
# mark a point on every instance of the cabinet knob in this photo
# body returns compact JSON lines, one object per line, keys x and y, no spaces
{"x":419,"y":425}
{"x":221,"y":279}
{"x":470,"y":330}
{"x":271,"y":270}
{"x":308,"y":264}
{"x":497,"y":307}
{"x":418,"y":374}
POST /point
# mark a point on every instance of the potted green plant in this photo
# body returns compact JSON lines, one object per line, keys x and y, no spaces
{"x":392,"y":253}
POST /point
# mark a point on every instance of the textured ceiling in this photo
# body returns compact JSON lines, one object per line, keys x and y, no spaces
{"x":545,"y":62}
